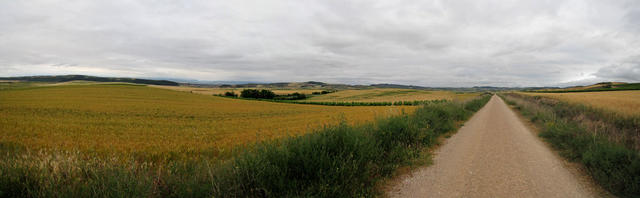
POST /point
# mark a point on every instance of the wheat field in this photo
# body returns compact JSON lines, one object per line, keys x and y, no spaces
{"x":155,"y":123}
{"x":390,"y":95}
{"x":624,"y":102}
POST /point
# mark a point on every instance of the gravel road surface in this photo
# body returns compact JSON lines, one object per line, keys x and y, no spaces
{"x":495,"y":155}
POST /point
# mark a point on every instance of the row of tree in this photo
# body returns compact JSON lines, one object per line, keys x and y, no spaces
{"x":322,"y":92}
{"x":255,"y":93}
{"x":265,"y":94}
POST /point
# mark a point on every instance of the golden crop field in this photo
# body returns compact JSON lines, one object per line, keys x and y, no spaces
{"x":135,"y":119}
{"x":391,"y":95}
{"x":594,"y":86}
{"x":624,"y":102}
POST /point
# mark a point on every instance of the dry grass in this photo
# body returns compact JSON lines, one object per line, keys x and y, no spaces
{"x":624,"y":102}
{"x":391,"y":95}
{"x":155,"y":123}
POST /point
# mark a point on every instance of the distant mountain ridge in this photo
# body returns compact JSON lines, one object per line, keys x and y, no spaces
{"x":310,"y":84}
{"x":67,"y":78}
{"x":397,"y":86}
{"x":322,"y":85}
{"x":279,"y":85}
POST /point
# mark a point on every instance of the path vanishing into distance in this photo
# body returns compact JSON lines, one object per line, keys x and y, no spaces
{"x":495,"y":155}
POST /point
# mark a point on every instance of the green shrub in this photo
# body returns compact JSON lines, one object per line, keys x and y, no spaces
{"x":475,"y":105}
{"x":615,"y":167}
{"x":230,"y":94}
{"x":255,"y":93}
{"x":323,"y":92}
{"x":293,"y":96}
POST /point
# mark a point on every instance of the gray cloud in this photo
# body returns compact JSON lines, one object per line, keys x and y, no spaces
{"x":627,"y":71}
{"x":430,"y":43}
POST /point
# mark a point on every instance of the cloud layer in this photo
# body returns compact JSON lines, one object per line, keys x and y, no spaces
{"x":429,"y":43}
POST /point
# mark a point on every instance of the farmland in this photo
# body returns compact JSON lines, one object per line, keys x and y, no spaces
{"x":624,"y":102}
{"x":390,"y":95}
{"x":125,"y":140}
{"x":603,"y":86}
{"x":128,"y":140}
{"x":155,"y":123}
{"x":347,"y":95}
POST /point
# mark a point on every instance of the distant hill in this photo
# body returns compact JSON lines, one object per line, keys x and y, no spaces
{"x":603,"y":86}
{"x":281,"y":85}
{"x":397,"y":86}
{"x":246,"y":84}
{"x":67,"y":78}
{"x":329,"y":86}
{"x":460,"y":89}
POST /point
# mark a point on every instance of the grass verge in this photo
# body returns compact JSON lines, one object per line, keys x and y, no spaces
{"x":605,"y":143}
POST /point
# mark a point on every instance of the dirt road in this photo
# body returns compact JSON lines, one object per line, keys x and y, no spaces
{"x":495,"y":155}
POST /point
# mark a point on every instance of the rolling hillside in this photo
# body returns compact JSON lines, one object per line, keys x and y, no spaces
{"x":603,"y":86}
{"x":68,"y":78}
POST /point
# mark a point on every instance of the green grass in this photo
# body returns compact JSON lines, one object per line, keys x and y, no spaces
{"x":604,"y":143}
{"x":334,"y":161}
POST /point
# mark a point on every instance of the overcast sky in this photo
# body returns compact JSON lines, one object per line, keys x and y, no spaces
{"x":428,"y":43}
